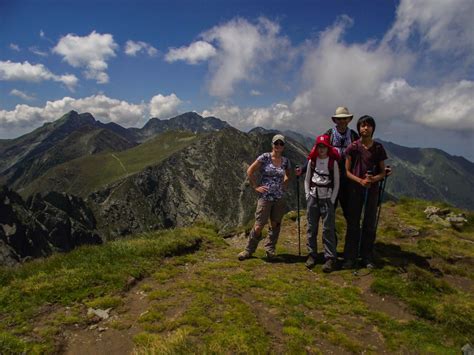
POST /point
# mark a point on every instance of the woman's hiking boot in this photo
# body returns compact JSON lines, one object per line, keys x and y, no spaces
{"x":310,"y":261}
{"x":329,"y":265}
{"x":271,"y":255}
{"x":244,"y":255}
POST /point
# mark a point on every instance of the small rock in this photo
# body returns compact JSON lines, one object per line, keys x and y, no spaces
{"x":431,"y":210}
{"x":103,"y":329}
{"x":444,"y":212}
{"x":456,"y":220}
{"x":467,"y":349}
{"x":101,"y":313}
{"x":93,"y":326}
{"x":131,"y":281}
{"x":409,"y":231}
{"x":437,"y":219}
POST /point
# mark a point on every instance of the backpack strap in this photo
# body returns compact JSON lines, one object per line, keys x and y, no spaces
{"x":331,"y":174}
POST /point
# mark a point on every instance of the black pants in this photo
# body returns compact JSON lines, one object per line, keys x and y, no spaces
{"x":356,"y":199}
{"x":343,"y":195}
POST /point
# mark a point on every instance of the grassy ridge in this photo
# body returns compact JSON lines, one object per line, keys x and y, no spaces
{"x":87,"y":174}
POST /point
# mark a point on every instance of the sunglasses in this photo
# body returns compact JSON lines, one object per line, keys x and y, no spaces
{"x":341,"y":118}
{"x":279,"y":143}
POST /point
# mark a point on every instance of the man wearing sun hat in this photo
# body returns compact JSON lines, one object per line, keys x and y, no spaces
{"x":340,"y":137}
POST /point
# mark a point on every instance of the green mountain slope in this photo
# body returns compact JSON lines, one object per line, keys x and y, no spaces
{"x":24,"y":159}
{"x":430,"y":174}
{"x":87,"y":174}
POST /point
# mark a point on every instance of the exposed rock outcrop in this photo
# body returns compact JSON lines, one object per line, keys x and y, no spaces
{"x":55,"y":222}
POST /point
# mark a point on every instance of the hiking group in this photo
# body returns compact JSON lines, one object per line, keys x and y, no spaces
{"x":343,"y":167}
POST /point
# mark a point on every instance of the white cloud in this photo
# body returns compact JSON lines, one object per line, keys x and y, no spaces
{"x":132,"y":48}
{"x":447,"y":107}
{"x":278,"y":116}
{"x":441,"y":26}
{"x":90,"y":52}
{"x":14,"y":47}
{"x":37,"y":51}
{"x":242,"y":49}
{"x":102,"y":107}
{"x":11,"y":71}
{"x":164,"y":106}
{"x":193,"y":54}
{"x":42,"y":35}
{"x":22,"y":95}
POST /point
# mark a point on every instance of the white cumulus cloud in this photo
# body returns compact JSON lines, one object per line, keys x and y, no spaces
{"x":242,"y":48}
{"x":102,"y":107}
{"x":15,"y":47}
{"x":441,"y":26}
{"x":193,"y":54}
{"x":23,"y":118}
{"x":132,"y":48}
{"x":90,"y":52}
{"x":278,"y":116}
{"x":11,"y":71}
{"x":162,"y":106}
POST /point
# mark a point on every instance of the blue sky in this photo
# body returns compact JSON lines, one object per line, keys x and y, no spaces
{"x":277,"y":64}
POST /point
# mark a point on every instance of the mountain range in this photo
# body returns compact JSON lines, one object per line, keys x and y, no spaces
{"x":188,"y":168}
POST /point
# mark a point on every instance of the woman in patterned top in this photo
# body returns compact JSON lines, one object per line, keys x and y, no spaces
{"x":274,"y":170}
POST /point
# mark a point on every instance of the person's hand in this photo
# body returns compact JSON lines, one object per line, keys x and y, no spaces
{"x":298,"y":171}
{"x":365,"y":182}
{"x":388,"y":171}
{"x":261,"y":189}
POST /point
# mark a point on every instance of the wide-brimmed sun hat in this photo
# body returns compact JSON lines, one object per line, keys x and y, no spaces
{"x":342,"y":112}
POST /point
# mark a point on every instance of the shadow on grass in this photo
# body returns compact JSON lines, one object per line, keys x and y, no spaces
{"x":287,"y":259}
{"x":393,"y":255}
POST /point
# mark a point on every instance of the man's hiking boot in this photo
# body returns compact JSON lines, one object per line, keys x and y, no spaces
{"x":368,"y":264}
{"x":329,"y":265}
{"x":348,"y":264}
{"x":271,"y":255}
{"x":244,"y":255}
{"x":310,"y":262}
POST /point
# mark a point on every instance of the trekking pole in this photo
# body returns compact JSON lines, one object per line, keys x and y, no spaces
{"x":381,"y":193}
{"x":298,"y":209}
{"x":363,"y":212}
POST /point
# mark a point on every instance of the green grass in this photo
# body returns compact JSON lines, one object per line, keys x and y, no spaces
{"x":209,"y":302}
{"x":89,"y":173}
{"x":415,"y":268}
{"x":89,"y":275}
